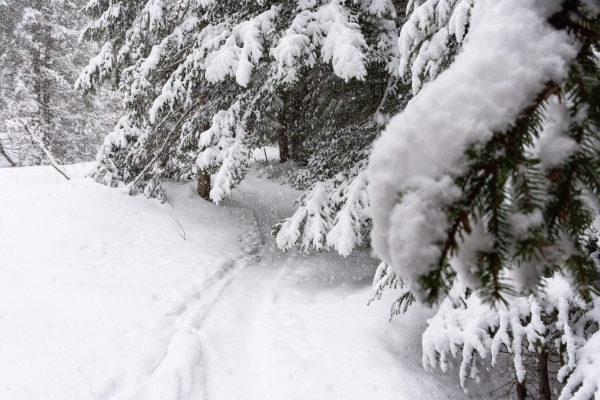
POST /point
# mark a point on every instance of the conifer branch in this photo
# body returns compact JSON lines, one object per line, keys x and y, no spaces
{"x":158,"y":153}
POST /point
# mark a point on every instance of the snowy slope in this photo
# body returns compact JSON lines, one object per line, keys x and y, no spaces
{"x":96,"y":284}
{"x":100,"y":298}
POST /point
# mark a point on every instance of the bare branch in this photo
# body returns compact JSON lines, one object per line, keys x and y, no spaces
{"x":47,"y":152}
{"x":176,"y":219}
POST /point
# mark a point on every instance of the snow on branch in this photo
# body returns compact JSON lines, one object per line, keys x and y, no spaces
{"x":352,"y":221}
{"x":307,"y":227}
{"x":330,"y":28}
{"x":465,"y":327}
{"x":430,"y":37}
{"x":415,"y":162}
{"x":584,"y":382}
{"x":335,"y":213}
{"x":224,"y":151}
{"x":230,"y":59}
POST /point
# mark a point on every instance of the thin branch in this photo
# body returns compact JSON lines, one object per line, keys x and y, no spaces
{"x":176,"y":219}
{"x":45,"y":150}
{"x":391,"y":82}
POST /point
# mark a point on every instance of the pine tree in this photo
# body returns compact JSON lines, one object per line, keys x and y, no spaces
{"x":39,"y":63}
{"x":500,"y":213}
{"x":498,"y":185}
{"x":205,"y":82}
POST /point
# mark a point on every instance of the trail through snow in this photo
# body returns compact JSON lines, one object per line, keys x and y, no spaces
{"x":100,"y":298}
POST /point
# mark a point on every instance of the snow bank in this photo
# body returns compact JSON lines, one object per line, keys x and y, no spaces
{"x":99,"y":294}
{"x":414,"y":163}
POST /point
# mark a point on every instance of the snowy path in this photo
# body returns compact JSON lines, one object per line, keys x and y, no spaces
{"x":298,"y":327}
{"x":101,"y":299}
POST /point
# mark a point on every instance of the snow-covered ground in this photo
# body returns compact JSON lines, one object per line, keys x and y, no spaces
{"x":102,"y":298}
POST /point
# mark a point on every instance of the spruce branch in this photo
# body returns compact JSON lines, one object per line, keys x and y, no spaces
{"x":152,"y":163}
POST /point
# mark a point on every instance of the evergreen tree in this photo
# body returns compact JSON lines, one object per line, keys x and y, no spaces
{"x":204,"y":82}
{"x":39,"y":63}
{"x":499,"y":184}
{"x":498,"y":204}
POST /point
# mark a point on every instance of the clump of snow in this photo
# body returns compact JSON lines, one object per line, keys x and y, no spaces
{"x":331,"y":28}
{"x":479,"y":241}
{"x":554,"y":147}
{"x":414,"y":163}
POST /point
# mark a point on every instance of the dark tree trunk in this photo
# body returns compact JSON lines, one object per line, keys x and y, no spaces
{"x":204,"y":184}
{"x":282,"y":140}
{"x":543,"y":378}
{"x":41,"y":57}
{"x":521,"y":391}
{"x":296,"y":149}
{"x":5,"y":155}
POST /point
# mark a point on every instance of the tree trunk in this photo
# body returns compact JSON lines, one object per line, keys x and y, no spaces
{"x":204,"y":184}
{"x":521,"y":391}
{"x":543,"y":378}
{"x":295,"y":148}
{"x":282,"y":140}
{"x":43,"y":37}
{"x":5,"y":155}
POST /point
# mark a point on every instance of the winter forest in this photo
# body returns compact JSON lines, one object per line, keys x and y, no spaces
{"x":300,"y":199}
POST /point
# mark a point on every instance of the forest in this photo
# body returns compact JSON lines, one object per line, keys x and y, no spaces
{"x":300,"y":199}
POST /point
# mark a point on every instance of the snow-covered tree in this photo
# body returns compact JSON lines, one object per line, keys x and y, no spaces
{"x":333,"y":214}
{"x":491,"y":171}
{"x":206,"y":81}
{"x":339,"y":145}
{"x":39,"y":63}
{"x":431,"y":37}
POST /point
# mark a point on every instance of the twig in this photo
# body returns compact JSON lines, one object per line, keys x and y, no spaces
{"x":14,"y":177}
{"x":391,"y":82}
{"x":45,"y":150}
{"x":176,"y":219}
{"x":265,"y":150}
